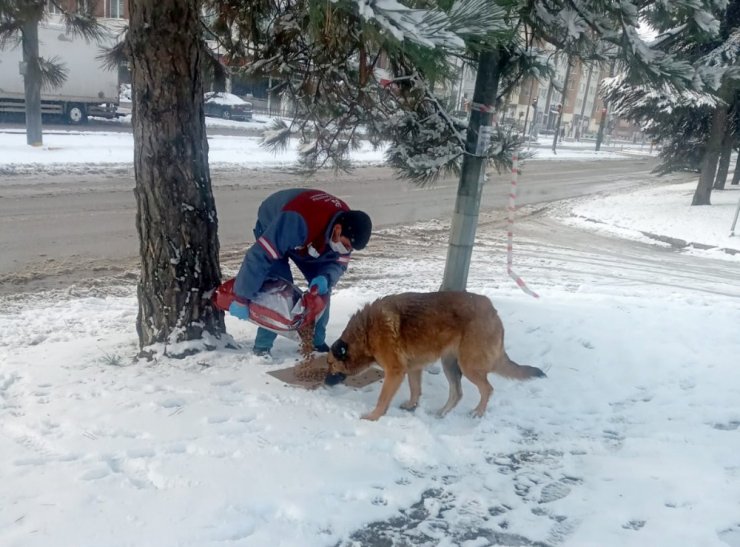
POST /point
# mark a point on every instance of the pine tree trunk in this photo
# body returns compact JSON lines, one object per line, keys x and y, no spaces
{"x":32,"y":79}
{"x":176,"y":214}
{"x":711,"y":156}
{"x":736,"y":174}
{"x":724,"y":161}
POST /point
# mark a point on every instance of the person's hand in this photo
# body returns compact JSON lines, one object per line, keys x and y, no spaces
{"x":239,"y":310}
{"x":321,"y":284}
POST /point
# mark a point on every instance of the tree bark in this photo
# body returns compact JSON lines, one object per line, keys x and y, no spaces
{"x":470,"y":188}
{"x":736,"y":174}
{"x":724,"y":160}
{"x":32,"y":80}
{"x":711,"y":156}
{"x":176,"y":213}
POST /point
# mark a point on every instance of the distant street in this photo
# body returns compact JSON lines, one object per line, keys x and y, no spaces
{"x":98,"y":125}
{"x":61,"y":228}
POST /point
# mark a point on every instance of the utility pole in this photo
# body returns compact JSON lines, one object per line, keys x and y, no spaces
{"x":529,"y":101}
{"x":461,"y":79}
{"x":562,"y":107}
{"x":604,"y":110}
{"x":734,"y":221}
{"x":470,"y":188}
{"x":269,"y":95}
{"x":546,"y":112}
{"x":32,"y":80}
{"x":585,"y":98}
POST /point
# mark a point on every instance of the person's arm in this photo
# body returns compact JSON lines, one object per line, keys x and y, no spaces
{"x":287,"y":232}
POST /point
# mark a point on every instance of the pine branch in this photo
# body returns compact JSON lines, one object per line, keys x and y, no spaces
{"x":53,"y":72}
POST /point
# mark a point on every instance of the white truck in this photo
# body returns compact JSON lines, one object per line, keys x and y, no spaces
{"x":90,"y":89}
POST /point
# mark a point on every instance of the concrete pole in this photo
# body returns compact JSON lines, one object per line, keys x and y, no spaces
{"x":470,"y":188}
{"x":585,"y":98}
{"x":602,"y":123}
{"x":562,"y":108}
{"x":529,"y":102}
{"x":734,"y":222}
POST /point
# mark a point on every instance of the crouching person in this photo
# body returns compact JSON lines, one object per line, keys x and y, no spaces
{"x":314,"y":229}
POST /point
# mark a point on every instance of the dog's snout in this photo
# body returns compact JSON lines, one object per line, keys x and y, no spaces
{"x":339,"y":350}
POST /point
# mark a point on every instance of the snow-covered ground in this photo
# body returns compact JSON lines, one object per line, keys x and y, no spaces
{"x":666,"y":211}
{"x":80,"y":149}
{"x":633,"y":439}
{"x":258,"y":122}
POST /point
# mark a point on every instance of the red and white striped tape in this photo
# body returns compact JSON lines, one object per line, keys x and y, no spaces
{"x":510,"y":234}
{"x":483,"y":107}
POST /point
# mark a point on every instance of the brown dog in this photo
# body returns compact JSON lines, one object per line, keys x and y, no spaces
{"x":405,"y":332}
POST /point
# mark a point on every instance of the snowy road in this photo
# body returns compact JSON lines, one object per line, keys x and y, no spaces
{"x":59,"y":228}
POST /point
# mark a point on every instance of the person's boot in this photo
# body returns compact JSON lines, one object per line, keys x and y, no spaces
{"x":321,"y":348}
{"x":264,"y":354}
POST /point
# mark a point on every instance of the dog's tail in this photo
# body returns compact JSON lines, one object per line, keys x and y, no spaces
{"x":509,"y":369}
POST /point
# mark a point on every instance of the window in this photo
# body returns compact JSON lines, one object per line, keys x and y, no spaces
{"x":114,"y":9}
{"x":52,"y":8}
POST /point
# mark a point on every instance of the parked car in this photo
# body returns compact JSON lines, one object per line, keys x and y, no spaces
{"x":227,"y":106}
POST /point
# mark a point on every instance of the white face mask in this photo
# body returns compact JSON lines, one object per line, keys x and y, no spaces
{"x":338,"y":247}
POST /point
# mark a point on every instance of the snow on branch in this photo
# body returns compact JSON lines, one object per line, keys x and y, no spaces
{"x":433,"y":27}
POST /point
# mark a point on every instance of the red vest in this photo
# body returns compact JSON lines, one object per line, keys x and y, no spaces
{"x":317,"y":209}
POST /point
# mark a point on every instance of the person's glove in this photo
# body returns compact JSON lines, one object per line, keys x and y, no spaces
{"x":239,"y":310}
{"x":321,"y":284}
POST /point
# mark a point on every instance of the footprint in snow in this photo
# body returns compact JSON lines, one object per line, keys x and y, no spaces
{"x":171,"y":403}
{"x":727,"y":426}
{"x":730,"y":536}
{"x":554,"y":491}
{"x":613,"y":439}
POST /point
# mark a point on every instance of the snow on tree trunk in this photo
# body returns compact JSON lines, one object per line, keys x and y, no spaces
{"x":711,"y":156}
{"x":176,"y":214}
{"x":724,"y":160}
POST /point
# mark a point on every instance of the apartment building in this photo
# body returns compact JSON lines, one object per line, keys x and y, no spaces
{"x":105,"y":9}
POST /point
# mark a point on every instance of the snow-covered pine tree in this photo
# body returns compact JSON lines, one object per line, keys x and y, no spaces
{"x":327,"y":55}
{"x":356,"y":69}
{"x":703,"y":114}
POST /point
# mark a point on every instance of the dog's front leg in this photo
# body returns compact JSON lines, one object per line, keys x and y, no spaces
{"x":393,"y":377}
{"x":414,"y":389}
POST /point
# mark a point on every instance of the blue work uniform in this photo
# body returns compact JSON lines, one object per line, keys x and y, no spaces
{"x":293,"y":224}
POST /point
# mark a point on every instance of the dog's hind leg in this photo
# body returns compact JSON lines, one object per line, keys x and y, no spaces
{"x":414,"y":388}
{"x":453,"y":373}
{"x":480,"y":379}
